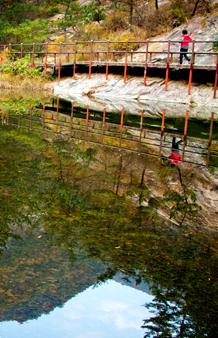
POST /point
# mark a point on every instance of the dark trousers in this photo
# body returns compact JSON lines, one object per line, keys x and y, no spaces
{"x":175,"y":145}
{"x":183,"y":51}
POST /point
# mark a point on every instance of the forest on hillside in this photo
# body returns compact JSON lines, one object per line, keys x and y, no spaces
{"x":29,"y":21}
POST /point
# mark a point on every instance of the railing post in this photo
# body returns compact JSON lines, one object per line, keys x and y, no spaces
{"x":57,"y":115}
{"x":90,"y":61}
{"x":74,"y":64}
{"x":185,"y":135}
{"x":59,"y":69}
{"x":167,"y":69}
{"x":46,"y":57}
{"x":121,"y":122}
{"x":31,"y":117}
{"x":146,"y":63}
{"x":162,"y":133}
{"x":87,"y":121}
{"x":191,"y":68}
{"x":33,"y":64}
{"x":21,"y":50}
{"x":43,"y":117}
{"x":210,"y":138}
{"x":71,"y":120}
{"x":10,"y":50}
{"x":216,"y":78}
{"x":125,"y":70}
{"x":103,"y":125}
{"x":107,"y":60}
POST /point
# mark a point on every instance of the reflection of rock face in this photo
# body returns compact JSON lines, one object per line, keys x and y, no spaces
{"x":134,"y":96}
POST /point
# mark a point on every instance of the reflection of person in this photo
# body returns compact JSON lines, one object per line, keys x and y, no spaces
{"x":175,"y":158}
{"x":184,"y":46}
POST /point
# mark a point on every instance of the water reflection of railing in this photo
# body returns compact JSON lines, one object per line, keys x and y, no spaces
{"x":141,"y":140}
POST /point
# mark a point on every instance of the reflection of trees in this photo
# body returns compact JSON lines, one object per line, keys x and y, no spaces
{"x":183,"y":202}
{"x":78,"y":195}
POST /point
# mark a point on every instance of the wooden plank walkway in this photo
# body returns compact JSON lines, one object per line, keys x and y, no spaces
{"x":142,"y":140}
{"x":117,"y":53}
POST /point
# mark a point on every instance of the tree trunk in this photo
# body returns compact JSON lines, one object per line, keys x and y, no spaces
{"x":196,"y":5}
{"x":156,"y":4}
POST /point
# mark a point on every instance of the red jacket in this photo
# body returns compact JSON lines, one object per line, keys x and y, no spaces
{"x":185,"y":38}
{"x":175,"y":158}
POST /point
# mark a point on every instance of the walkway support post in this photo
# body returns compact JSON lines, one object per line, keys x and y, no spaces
{"x":33,"y":64}
{"x":71,"y":120}
{"x":191,"y":68}
{"x":167,"y":69}
{"x":216,"y":78}
{"x":59,"y":69}
{"x":185,"y":136}
{"x":90,"y":62}
{"x":141,"y":129}
{"x":107,"y":59}
{"x":121,"y":122}
{"x":10,"y":50}
{"x":125,"y":70}
{"x":43,"y":117}
{"x":46,"y":57}
{"x":103,"y":125}
{"x":74,"y":64}
{"x":87,"y":121}
{"x":210,"y":138}
{"x":146,"y":63}
{"x":21,"y":50}
{"x":162,"y":133}
{"x":57,"y":115}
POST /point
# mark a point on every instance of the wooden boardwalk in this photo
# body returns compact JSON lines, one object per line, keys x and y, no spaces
{"x":141,"y":140}
{"x":117,"y":53}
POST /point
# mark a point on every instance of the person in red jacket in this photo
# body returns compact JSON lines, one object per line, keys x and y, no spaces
{"x":184,"y":46}
{"x":175,"y":158}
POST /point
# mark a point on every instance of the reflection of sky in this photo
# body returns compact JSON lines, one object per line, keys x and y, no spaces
{"x":111,"y":310}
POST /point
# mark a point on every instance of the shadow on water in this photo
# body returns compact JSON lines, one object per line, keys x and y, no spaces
{"x":75,"y":214}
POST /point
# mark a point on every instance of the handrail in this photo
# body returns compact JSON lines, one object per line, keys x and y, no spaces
{"x":144,"y":139}
{"x":75,"y":52}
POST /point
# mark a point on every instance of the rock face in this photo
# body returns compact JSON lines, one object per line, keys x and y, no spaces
{"x":133,"y":96}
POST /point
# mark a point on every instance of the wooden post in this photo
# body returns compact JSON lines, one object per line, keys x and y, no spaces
{"x":104,"y":115}
{"x":107,"y":60}
{"x":59,"y":69}
{"x":43,"y":117}
{"x":10,"y":50}
{"x":131,"y":55}
{"x":141,"y":129}
{"x":33,"y":64}
{"x":162,"y":133}
{"x":71,"y":120}
{"x":216,"y":78}
{"x":103,"y":125}
{"x":57,"y":115}
{"x":21,"y":50}
{"x":191,"y":68}
{"x":125,"y":70}
{"x":87,"y":121}
{"x":210,"y":138}
{"x":74,"y":64}
{"x":185,"y":136}
{"x":167,"y":69}
{"x":146,"y":63}
{"x":121,"y":122}
{"x":31,"y":117}
{"x":46,"y":57}
{"x":90,"y":61}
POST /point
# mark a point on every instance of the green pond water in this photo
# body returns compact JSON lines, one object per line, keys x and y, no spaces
{"x":97,"y":242}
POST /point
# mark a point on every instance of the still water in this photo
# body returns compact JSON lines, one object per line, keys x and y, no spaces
{"x":104,"y":242}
